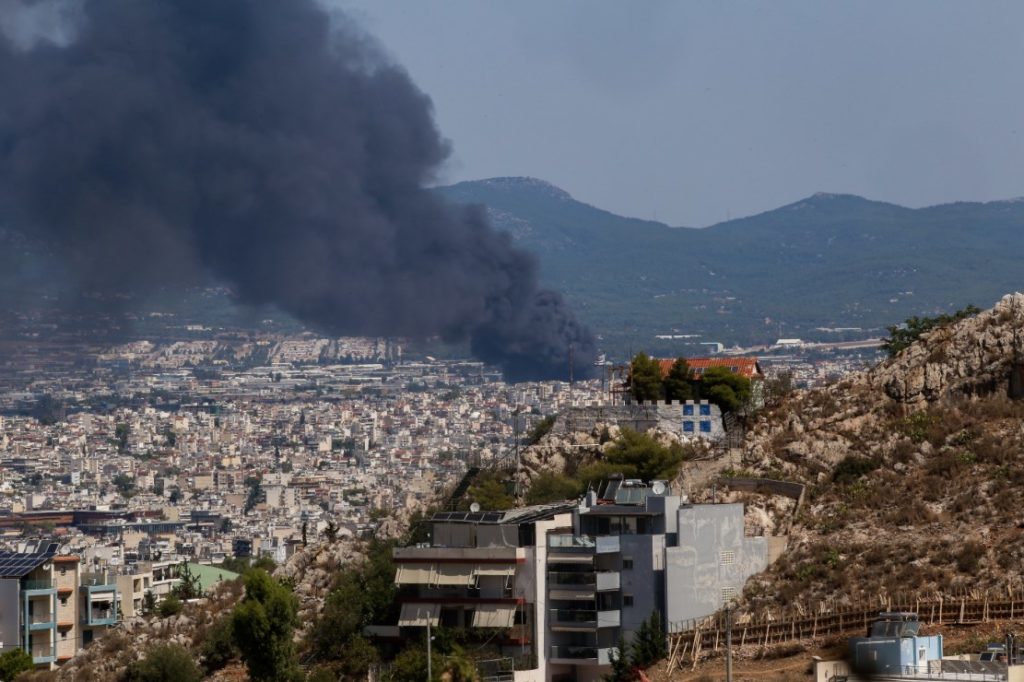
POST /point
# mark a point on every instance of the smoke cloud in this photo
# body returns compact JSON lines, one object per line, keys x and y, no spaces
{"x":270,"y":145}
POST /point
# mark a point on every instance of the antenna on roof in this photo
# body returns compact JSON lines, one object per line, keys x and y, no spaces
{"x":475,"y":507}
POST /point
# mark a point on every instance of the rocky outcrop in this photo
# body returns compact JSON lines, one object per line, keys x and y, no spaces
{"x":967,"y":358}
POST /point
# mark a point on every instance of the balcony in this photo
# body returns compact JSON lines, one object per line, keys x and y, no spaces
{"x":583,"y":544}
{"x":42,"y":653}
{"x":100,"y":616}
{"x":582,"y":584}
{"x":32,"y":585}
{"x":582,"y":619}
{"x":581,"y":654}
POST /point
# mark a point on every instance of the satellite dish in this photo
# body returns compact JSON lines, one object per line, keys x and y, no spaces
{"x":475,"y":507}
{"x":658,"y":488}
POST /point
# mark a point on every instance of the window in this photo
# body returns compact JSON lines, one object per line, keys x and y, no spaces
{"x":63,"y":570}
{"x":705,"y":426}
{"x":627,"y":563}
{"x":688,"y":410}
{"x":687,"y":426}
{"x":705,"y":409}
{"x":63,"y":601}
{"x":63,"y":634}
{"x":627,"y":600}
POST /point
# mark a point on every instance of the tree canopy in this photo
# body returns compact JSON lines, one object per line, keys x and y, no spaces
{"x":678,"y":383}
{"x":902,"y":336}
{"x":262,"y":624}
{"x":728,"y":390}
{"x":13,"y":663}
{"x":637,"y":455}
{"x":645,"y":378}
{"x":165,"y":663}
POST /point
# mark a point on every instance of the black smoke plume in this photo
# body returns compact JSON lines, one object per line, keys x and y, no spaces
{"x":266,"y":143}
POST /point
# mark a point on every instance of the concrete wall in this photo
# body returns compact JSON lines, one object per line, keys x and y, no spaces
{"x":711,"y":562}
{"x":10,"y":614}
{"x":642,"y":581}
{"x":667,"y":416}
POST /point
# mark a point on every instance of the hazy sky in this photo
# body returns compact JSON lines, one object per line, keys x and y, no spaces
{"x":691,"y":112}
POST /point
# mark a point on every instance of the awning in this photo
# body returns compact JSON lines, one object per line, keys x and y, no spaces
{"x":501,"y":571}
{"x":413,"y":575}
{"x":454,"y":575}
{"x":494,"y":616}
{"x":419,"y":615}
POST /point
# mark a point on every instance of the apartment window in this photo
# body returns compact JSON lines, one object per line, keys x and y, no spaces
{"x":627,"y":600}
{"x":63,"y":571}
{"x":728,"y":558}
{"x":63,"y":601}
{"x":705,"y":409}
{"x":705,"y":426}
{"x":688,"y":426}
{"x":63,"y":634}
{"x":627,"y":563}
{"x":688,"y":410}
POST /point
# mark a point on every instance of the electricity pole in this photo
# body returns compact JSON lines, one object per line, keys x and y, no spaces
{"x":728,"y":643}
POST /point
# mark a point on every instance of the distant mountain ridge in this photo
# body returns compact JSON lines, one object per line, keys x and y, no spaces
{"x":829,"y":260}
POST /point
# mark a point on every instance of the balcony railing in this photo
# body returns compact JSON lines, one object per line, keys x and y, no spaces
{"x":40,"y":618}
{"x":601,"y":655}
{"x":569,"y":541}
{"x":42,"y":653}
{"x":594,"y":580}
{"x":101,"y":616}
{"x":583,"y":618}
{"x":38,"y":584}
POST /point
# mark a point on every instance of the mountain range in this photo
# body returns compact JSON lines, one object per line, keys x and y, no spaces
{"x":828,"y":261}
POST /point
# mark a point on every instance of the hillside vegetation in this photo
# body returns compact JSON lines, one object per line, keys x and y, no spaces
{"x":914,"y":469}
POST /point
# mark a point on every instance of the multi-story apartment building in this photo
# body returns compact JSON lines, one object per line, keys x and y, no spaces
{"x":49,"y":607}
{"x":559,"y":585}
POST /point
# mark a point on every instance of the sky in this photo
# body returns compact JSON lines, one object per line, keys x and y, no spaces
{"x":693,"y":112}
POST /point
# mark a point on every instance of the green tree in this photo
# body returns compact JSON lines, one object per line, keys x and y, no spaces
{"x":549,"y":486}
{"x":125,"y":484}
{"x":678,"y":382}
{"x":622,"y":669}
{"x":540,"y":429}
{"x":491,"y":491}
{"x":361,"y":597}
{"x":637,"y":455}
{"x":902,"y":336}
{"x":121,"y":433}
{"x":649,"y":642}
{"x":263,"y":623}
{"x":728,"y":390}
{"x":188,"y":586}
{"x":148,"y":602}
{"x":170,"y":606}
{"x":13,"y":663}
{"x":165,"y":663}
{"x":218,"y":645}
{"x":331,"y":531}
{"x":645,"y":378}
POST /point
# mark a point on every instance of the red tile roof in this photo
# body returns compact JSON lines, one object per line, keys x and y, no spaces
{"x":746,"y":367}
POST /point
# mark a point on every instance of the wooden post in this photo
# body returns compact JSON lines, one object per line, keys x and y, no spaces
{"x":814,"y":630}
